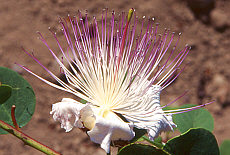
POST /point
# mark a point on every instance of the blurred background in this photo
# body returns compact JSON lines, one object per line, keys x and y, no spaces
{"x":204,"y":24}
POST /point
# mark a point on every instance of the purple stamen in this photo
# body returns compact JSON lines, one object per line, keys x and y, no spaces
{"x":175,"y":100}
{"x":187,"y":109}
{"x":114,"y":63}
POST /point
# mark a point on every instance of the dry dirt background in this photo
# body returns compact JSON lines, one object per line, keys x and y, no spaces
{"x":206,"y":78}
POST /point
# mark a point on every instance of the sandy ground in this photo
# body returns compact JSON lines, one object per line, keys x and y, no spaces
{"x":206,"y":77}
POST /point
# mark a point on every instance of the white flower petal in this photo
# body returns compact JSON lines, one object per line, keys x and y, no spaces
{"x":113,"y":128}
{"x":64,"y":110}
{"x":102,"y":130}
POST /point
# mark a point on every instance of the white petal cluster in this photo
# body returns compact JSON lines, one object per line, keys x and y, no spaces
{"x":110,"y":127}
{"x":103,"y":130}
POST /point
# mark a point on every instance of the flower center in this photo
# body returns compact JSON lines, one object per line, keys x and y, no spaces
{"x":104,"y":112}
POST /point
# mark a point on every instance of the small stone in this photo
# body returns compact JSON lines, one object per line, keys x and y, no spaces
{"x":219,"y":20}
{"x":201,"y":8}
{"x":219,"y":88}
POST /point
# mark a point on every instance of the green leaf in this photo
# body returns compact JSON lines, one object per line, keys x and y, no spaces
{"x":199,"y":118}
{"x":157,"y":141}
{"x":225,"y":147}
{"x":22,"y":96}
{"x":194,"y":142}
{"x":140,"y":149}
{"x":5,"y":93}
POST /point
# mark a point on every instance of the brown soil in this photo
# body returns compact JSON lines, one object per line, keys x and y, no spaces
{"x":207,"y":76}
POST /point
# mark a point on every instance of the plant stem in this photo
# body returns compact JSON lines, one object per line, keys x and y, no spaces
{"x":27,"y":140}
{"x":13,"y":117}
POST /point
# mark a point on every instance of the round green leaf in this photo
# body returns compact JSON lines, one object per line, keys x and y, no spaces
{"x":195,"y":141}
{"x":5,"y":93}
{"x":140,"y":149}
{"x":225,"y":147}
{"x":22,"y":96}
{"x":199,"y":118}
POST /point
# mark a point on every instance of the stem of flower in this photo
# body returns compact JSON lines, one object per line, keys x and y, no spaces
{"x":13,"y":117}
{"x":26,"y":139}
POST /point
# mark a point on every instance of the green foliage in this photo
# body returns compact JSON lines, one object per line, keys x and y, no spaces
{"x":141,"y":149}
{"x":199,"y":118}
{"x":22,"y":96}
{"x":225,"y":147}
{"x":5,"y":93}
{"x":157,"y":141}
{"x":195,"y":141}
